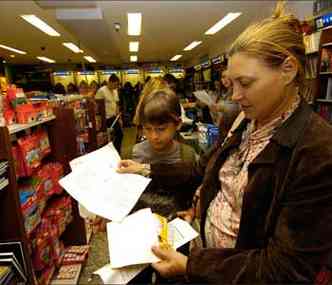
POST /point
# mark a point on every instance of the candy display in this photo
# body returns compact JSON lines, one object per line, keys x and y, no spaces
{"x":75,"y":254}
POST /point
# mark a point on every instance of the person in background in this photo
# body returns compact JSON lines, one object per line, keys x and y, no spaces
{"x":59,"y":89}
{"x":172,"y":84}
{"x":224,"y":106}
{"x":265,"y":204}
{"x":110,"y":94}
{"x":160,"y":116}
{"x":83,"y":88}
{"x":93,"y":88}
{"x":71,"y":88}
{"x":127,"y":102}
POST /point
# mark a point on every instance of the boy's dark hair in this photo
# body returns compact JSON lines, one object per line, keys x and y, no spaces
{"x":113,"y":78}
{"x":159,"y":107}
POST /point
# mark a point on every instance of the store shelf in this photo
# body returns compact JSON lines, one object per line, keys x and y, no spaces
{"x":20,"y":127}
{"x":324,"y":101}
{"x":325,"y":73}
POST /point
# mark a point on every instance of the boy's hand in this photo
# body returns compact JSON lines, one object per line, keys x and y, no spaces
{"x":130,"y":166}
{"x":187,"y":215}
{"x":172,"y":263}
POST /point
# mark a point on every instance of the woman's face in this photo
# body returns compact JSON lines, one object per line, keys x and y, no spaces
{"x":225,"y":80}
{"x":258,"y":88}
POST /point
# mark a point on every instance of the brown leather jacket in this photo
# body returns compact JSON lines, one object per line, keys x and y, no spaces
{"x":286,"y":223}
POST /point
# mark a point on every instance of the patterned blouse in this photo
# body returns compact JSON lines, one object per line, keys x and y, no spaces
{"x":223,"y":215}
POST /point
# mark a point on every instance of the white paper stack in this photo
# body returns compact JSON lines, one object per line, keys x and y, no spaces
{"x":130,"y":244}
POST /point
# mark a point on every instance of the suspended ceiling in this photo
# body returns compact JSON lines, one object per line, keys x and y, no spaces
{"x":167,"y":27}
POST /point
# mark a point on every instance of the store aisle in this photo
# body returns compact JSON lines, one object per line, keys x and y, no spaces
{"x":98,"y":257}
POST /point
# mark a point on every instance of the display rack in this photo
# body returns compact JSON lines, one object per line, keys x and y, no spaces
{"x":323,"y":100}
{"x":62,"y":139}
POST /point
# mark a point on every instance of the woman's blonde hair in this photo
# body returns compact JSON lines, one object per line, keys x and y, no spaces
{"x":151,"y":85}
{"x":274,"y":39}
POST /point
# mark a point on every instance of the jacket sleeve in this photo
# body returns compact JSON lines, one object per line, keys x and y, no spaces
{"x":298,"y":242}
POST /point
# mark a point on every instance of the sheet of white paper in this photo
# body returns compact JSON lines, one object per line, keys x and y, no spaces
{"x":204,"y":97}
{"x":130,"y":241}
{"x":97,"y":158}
{"x":119,"y":276}
{"x":95,"y":184}
{"x":181,"y":233}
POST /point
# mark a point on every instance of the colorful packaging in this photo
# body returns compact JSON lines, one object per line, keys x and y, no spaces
{"x":29,"y":146}
{"x":44,"y":143}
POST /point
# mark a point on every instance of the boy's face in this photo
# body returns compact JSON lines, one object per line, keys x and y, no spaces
{"x":160,"y":136}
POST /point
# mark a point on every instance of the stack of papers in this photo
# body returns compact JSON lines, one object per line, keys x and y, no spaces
{"x":130,"y":244}
{"x":95,"y":183}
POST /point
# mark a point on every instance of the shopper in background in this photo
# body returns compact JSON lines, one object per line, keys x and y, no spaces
{"x":266,"y":198}
{"x":71,"y":89}
{"x":59,"y":89}
{"x":224,"y":106}
{"x":93,"y":88}
{"x":110,"y":94}
{"x":172,"y":84}
{"x":160,"y":116}
{"x":83,"y":88}
{"x":127,"y":98}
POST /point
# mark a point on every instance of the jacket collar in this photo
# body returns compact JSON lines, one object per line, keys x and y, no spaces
{"x":286,"y":136}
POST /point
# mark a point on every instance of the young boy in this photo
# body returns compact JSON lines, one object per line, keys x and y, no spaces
{"x":160,"y":116}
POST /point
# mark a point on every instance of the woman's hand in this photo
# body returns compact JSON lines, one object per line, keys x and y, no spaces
{"x":130,"y":166}
{"x":172,"y":263}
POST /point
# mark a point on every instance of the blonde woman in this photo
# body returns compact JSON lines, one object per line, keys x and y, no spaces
{"x":266,"y":198}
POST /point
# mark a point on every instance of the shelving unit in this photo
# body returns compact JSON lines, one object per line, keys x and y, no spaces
{"x":63,"y":145}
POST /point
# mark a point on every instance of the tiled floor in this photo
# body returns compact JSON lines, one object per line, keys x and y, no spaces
{"x":98,"y":257}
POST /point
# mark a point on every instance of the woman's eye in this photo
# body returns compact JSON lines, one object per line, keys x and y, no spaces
{"x":245,"y":83}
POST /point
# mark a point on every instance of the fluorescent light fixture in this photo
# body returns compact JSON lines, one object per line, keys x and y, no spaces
{"x":134,"y":24}
{"x":41,"y":25}
{"x":222,"y":23}
{"x":46,"y":59}
{"x":133,"y":58}
{"x":74,"y":48}
{"x":13,"y":49}
{"x":90,"y":58}
{"x":192,"y":45}
{"x":133,"y":46}
{"x":12,"y":55}
{"x":176,"y":57}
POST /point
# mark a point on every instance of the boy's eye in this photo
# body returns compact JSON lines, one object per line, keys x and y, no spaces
{"x":161,"y":129}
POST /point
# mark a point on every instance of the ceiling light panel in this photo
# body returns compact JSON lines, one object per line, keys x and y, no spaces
{"x":192,"y":45}
{"x":222,"y":23}
{"x":12,"y":49}
{"x":46,"y":59}
{"x":41,"y":25}
{"x":133,"y":46}
{"x":133,"y":58}
{"x":90,"y":59}
{"x":176,"y":57}
{"x":74,"y":48}
{"x":134,"y":24}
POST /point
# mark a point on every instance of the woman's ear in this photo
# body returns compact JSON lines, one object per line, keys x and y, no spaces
{"x":289,"y":70}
